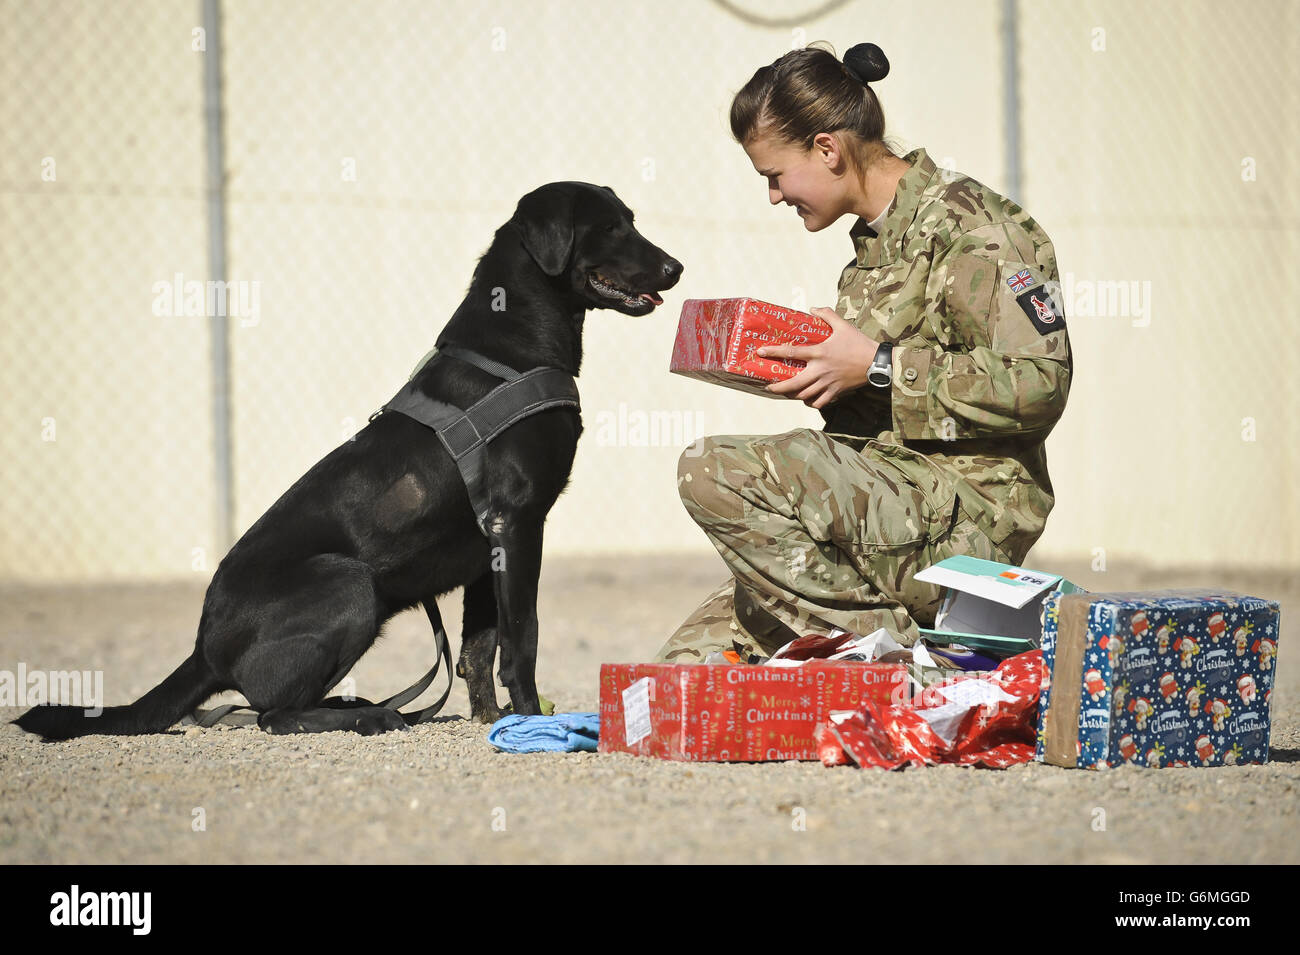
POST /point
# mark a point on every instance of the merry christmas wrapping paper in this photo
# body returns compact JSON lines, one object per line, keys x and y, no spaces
{"x":717,"y":338}
{"x":1161,"y":678}
{"x":734,"y":712}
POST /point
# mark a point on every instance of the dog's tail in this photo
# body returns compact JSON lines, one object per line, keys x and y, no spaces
{"x":189,"y":685}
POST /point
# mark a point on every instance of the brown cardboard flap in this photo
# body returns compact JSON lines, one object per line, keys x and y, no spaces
{"x":1061,"y":729}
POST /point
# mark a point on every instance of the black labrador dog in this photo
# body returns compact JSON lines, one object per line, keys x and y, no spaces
{"x":384,"y":522}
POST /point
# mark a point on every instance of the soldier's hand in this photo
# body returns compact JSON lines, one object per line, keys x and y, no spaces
{"x":835,"y":366}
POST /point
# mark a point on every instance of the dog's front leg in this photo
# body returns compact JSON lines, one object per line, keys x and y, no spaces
{"x":517,"y":565}
{"x":478,"y":648}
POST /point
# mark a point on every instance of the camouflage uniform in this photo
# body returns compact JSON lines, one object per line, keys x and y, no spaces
{"x":826,"y":528}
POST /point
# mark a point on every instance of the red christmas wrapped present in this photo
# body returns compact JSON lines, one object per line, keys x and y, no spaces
{"x":717,"y":338}
{"x":734,"y":713}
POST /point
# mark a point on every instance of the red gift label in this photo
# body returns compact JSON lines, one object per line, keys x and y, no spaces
{"x":735,"y":713}
{"x":717,"y":340}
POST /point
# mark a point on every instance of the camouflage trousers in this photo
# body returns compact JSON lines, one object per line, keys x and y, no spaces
{"x":818,"y":533}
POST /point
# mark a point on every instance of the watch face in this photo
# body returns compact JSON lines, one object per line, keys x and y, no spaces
{"x":879,"y":372}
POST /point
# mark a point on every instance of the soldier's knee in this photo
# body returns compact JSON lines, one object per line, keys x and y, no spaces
{"x":696,"y":467}
{"x":702,"y":478}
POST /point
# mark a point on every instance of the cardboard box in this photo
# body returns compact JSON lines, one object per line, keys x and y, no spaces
{"x":1162,"y":678}
{"x":735,"y":713}
{"x":716,"y":340}
{"x":988,"y":606}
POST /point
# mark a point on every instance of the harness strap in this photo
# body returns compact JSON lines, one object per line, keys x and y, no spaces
{"x":490,"y":365}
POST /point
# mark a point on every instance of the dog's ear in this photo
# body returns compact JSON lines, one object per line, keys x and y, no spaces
{"x":544,"y":219}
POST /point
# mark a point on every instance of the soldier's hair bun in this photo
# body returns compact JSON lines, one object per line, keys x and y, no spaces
{"x":810,"y":90}
{"x":867,"y":62}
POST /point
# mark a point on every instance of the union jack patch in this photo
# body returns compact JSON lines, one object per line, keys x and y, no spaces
{"x":1020,"y":281}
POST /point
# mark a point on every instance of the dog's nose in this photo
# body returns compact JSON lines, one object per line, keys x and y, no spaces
{"x":672,"y":270}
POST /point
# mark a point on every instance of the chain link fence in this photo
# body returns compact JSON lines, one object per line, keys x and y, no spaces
{"x":368,"y":151}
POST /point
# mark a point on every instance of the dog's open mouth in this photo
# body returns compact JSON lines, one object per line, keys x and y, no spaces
{"x":611,"y":289}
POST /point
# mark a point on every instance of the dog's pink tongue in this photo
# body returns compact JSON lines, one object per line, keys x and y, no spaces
{"x":652,"y":297}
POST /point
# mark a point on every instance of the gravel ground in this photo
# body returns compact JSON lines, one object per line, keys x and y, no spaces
{"x":441,"y":793}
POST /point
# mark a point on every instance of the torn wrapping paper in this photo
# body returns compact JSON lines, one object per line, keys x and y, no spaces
{"x":717,"y":339}
{"x":925,"y":665}
{"x":987,"y":719}
{"x":839,"y":644}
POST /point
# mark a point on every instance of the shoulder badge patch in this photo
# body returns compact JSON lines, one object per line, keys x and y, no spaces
{"x":1042,"y":310}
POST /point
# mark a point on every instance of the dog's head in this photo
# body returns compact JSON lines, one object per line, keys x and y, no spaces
{"x":586,"y":234}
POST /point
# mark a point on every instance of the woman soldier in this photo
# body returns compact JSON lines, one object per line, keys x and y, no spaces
{"x":947,"y":367}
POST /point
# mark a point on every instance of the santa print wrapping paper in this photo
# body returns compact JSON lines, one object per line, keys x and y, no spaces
{"x":1158,"y":679}
{"x":717,"y":338}
{"x":735,"y":712}
{"x":981,"y":719}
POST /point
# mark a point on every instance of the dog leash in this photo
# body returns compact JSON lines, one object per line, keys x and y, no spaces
{"x":422,"y":684}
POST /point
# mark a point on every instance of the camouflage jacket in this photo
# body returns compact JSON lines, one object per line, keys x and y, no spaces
{"x":964,"y":285}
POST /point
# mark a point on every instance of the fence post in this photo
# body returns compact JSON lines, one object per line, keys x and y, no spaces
{"x":1011,"y":99}
{"x":218,"y":328}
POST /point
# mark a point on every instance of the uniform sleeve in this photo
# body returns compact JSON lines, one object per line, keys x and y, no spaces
{"x":1007,"y":365}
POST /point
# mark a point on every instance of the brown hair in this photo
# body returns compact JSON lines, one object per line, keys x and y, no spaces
{"x":809,"y":91}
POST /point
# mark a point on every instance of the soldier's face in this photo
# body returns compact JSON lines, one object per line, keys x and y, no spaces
{"x":814,"y":181}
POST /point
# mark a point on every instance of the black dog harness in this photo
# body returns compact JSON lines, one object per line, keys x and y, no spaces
{"x":464,"y":433}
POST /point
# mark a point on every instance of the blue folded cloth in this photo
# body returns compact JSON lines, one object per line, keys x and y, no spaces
{"x":561,"y":733}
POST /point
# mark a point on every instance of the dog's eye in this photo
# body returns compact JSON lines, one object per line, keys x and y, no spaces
{"x":614,"y":227}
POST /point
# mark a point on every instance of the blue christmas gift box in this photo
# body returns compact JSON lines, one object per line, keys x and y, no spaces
{"x":1162,"y":678}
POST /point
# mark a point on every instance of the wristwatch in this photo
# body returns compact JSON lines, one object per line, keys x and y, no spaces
{"x":881,"y":371}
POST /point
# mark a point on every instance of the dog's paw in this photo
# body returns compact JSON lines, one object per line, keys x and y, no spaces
{"x":489,"y":715}
{"x":379,"y":720}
